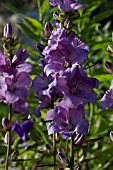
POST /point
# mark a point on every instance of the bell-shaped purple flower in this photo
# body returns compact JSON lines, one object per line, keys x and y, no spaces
{"x":67,"y":120}
{"x":76,"y":86}
{"x":17,"y":87}
{"x":23,"y":129}
{"x":21,"y":106}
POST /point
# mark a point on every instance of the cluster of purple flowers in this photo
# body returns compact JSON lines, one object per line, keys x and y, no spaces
{"x":14,"y":76}
{"x":63,"y":85}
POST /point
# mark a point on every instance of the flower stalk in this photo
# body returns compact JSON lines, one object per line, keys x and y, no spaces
{"x":72,"y":153}
{"x":54,"y":147}
{"x":9,"y":139}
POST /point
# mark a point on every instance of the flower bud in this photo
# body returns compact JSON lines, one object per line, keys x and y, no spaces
{"x":78,"y":167}
{"x":79,"y":139}
{"x":68,"y":23}
{"x":63,"y":159}
{"x":110,"y":49}
{"x":40,"y":48}
{"x":6,"y":138}
{"x":6,"y":123}
{"x":111,"y":135}
{"x":6,"y":47}
{"x":49,"y":147}
{"x":109,"y":67}
{"x":56,"y":15}
{"x":48,"y":29}
{"x":8,"y":31}
{"x":14,"y":155}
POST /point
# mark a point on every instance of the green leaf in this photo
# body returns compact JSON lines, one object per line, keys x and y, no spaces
{"x":34,"y":25}
{"x":45,"y":6}
{"x":102,"y":15}
{"x":28,"y":32}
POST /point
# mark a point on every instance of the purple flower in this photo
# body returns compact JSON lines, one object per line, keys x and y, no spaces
{"x":64,"y":56}
{"x":2,"y":58}
{"x":20,"y":57}
{"x":107,"y":100}
{"x":23,"y":129}
{"x":3,"y":86}
{"x":45,"y":94}
{"x":67,"y":120}
{"x":40,"y":84}
{"x":21,"y":106}
{"x":67,"y":5}
{"x":17,"y":87}
{"x":76,"y":86}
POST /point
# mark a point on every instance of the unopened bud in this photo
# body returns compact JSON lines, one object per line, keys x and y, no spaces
{"x":40,"y":48}
{"x":6,"y":138}
{"x":56,"y":15}
{"x":110,"y":49}
{"x":49,"y":147}
{"x":14,"y":155}
{"x":62,"y":16}
{"x":63,"y":158}
{"x":79,"y":139}
{"x":48,"y":29}
{"x":68,"y":23}
{"x":6,"y":123}
{"x":8,"y":31}
{"x":6,"y":47}
{"x":78,"y":167}
{"x":109,"y":67}
{"x":111,"y":135}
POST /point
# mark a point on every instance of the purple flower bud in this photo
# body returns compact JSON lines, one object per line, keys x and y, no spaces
{"x":40,"y":48}
{"x":111,"y":135}
{"x":109,"y":67}
{"x":48,"y":29}
{"x":2,"y":161}
{"x":63,"y":159}
{"x":56,"y":15}
{"x":5,"y":123}
{"x":68,"y":23}
{"x":8,"y":30}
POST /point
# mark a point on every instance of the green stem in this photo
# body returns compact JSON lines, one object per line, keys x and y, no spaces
{"x":72,"y":153}
{"x":54,"y":147}
{"x":9,"y":139}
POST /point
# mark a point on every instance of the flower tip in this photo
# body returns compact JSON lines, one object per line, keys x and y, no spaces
{"x":111,"y":135}
{"x":109,"y":67}
{"x":8,"y":31}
